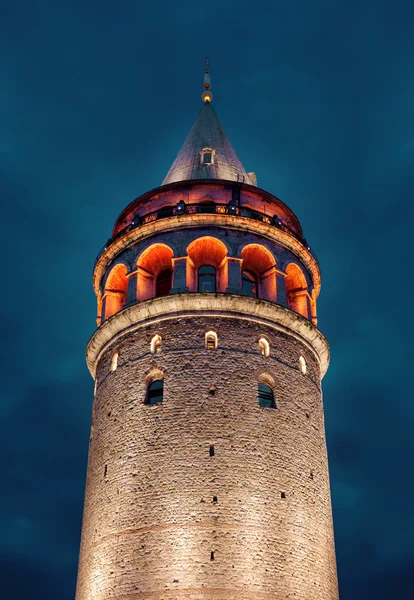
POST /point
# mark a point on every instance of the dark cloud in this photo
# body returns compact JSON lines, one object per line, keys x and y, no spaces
{"x":96,"y":100}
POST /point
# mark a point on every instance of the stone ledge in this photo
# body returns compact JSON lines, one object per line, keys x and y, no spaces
{"x":209,"y":305}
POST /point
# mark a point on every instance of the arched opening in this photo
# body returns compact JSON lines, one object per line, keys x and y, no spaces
{"x":206,"y":279}
{"x":249,"y":284}
{"x":114,"y":361}
{"x":155,"y":269}
{"x":211,"y":340}
{"x":297,"y":290}
{"x":265,"y":395}
{"x":155,"y":392}
{"x":115,"y":293}
{"x":207,"y":265}
{"x":156,"y":343}
{"x":264,"y":346}
{"x":258,"y":266}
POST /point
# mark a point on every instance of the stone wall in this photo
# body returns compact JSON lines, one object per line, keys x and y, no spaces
{"x":165,"y":520}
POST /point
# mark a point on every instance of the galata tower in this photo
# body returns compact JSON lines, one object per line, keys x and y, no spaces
{"x":207,"y":475}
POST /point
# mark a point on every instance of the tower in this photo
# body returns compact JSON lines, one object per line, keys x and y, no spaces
{"x":207,"y":473}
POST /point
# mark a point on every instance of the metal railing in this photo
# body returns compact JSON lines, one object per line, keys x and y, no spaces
{"x":205,"y":208}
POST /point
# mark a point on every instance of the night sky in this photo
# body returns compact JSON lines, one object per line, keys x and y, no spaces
{"x":96,"y":99}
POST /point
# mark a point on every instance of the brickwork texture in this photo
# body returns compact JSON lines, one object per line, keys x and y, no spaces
{"x":166,"y":520}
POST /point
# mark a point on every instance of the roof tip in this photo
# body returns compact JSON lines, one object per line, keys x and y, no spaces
{"x":207,"y":96}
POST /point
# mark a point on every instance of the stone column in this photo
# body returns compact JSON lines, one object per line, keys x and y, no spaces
{"x":179,"y":276}
{"x":234,"y":275}
{"x":132,"y":288}
{"x":281,"y":288}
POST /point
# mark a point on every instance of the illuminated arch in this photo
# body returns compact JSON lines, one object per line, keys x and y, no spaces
{"x":207,"y":251}
{"x":155,"y":270}
{"x":116,"y":287}
{"x":297,"y":290}
{"x":259,"y":262}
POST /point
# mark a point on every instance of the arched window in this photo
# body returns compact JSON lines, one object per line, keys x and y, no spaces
{"x":163,"y":284}
{"x":249,"y":284}
{"x":302,"y":365}
{"x":264,"y":346}
{"x":156,"y":343}
{"x":211,"y":340}
{"x":265,"y":396}
{"x":258,"y":265}
{"x":206,"y":279}
{"x":297,"y":290}
{"x":154,"y":268}
{"x":155,"y":392}
{"x":207,"y":156}
{"x":116,"y":288}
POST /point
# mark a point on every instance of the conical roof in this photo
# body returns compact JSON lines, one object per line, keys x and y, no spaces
{"x":207,"y":153}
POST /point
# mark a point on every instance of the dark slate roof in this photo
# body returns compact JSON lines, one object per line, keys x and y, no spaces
{"x":207,"y":132}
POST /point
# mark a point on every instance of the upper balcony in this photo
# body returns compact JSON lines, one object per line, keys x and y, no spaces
{"x":207,"y":197}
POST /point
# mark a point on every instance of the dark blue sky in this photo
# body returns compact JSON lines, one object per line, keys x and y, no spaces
{"x":95,"y":100}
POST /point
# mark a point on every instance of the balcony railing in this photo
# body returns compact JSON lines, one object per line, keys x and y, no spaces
{"x":206,"y":208}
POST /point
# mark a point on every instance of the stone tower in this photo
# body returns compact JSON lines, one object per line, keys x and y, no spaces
{"x":207,"y":475}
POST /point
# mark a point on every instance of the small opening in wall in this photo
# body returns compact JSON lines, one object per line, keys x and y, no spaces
{"x":282,"y":495}
{"x":307,"y":415}
{"x":264,"y":347}
{"x":109,"y":413}
{"x":156,"y":344}
{"x":106,"y":470}
{"x":212,"y":391}
{"x":114,"y":362}
{"x":211,"y":450}
{"x":212,"y":555}
{"x":302,"y":365}
{"x":211,"y":340}
{"x":214,"y":499}
{"x":311,"y":474}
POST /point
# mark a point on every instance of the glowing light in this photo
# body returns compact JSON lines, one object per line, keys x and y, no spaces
{"x":302,"y":365}
{"x":211,"y":340}
{"x":114,"y":362}
{"x":156,"y":344}
{"x":264,"y":346}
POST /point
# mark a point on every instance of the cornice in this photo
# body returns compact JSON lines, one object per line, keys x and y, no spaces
{"x":175,"y":306}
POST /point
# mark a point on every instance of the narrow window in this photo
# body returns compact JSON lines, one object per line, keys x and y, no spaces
{"x":249,"y":284}
{"x":211,"y":340}
{"x":283,"y":495}
{"x":211,"y":555}
{"x":265,"y":396}
{"x":156,"y":344}
{"x":302,"y":365}
{"x":206,"y":279}
{"x":207,"y":156}
{"x":211,"y":450}
{"x":163,"y":284}
{"x":114,"y":362}
{"x":264,"y":346}
{"x":214,"y":499}
{"x":155,"y":392}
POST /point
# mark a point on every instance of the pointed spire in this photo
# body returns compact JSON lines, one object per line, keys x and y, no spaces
{"x":207,"y":96}
{"x":207,"y":152}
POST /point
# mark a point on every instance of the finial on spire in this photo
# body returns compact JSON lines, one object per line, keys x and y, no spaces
{"x":207,"y":96}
